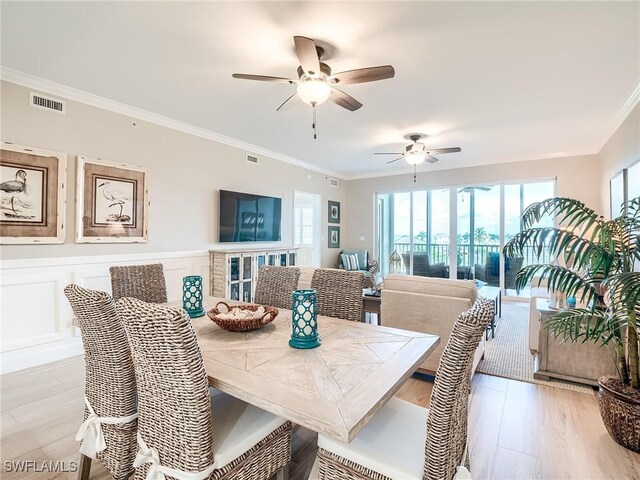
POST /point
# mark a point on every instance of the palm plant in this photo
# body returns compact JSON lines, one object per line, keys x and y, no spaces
{"x":601,"y":259}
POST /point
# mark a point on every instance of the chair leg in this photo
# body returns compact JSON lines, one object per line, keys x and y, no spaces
{"x":84,"y":469}
{"x":283,"y":473}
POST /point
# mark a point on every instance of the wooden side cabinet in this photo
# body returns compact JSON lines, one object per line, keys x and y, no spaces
{"x":576,"y":362}
{"x":233,"y":273}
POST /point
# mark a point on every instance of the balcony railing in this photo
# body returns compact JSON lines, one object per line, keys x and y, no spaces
{"x":439,"y":252}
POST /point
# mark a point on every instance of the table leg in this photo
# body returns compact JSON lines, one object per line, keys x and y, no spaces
{"x":492,"y":325}
{"x":85,"y":467}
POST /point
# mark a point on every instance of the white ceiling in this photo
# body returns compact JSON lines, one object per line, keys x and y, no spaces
{"x":504,"y":81}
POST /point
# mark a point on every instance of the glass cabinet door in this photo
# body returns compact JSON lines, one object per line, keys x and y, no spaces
{"x":283,"y":259}
{"x":247,"y":278}
{"x":247,"y":272}
{"x":272,"y":259}
{"x":246,"y":292}
{"x":261,"y":260}
{"x":235,"y":291}
{"x":292,"y":259}
{"x":234,"y":273}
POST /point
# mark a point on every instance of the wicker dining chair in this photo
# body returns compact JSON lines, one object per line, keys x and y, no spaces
{"x":144,"y":282}
{"x":177,"y":435}
{"x":339,"y":293}
{"x":431,"y":453}
{"x":110,"y":388}
{"x":275,"y":285}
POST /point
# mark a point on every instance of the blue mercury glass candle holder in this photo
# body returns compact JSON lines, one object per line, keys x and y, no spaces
{"x":304,"y":320}
{"x":192,"y":296}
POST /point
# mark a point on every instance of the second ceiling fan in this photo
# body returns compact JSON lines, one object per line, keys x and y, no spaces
{"x":417,"y":152}
{"x":316,"y":83}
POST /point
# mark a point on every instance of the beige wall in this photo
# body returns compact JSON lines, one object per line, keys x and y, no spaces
{"x":186,"y":172}
{"x":622,"y":149}
{"x":577,"y":177}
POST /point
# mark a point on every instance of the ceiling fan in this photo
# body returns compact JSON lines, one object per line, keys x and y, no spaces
{"x":417,"y":152}
{"x":316,"y":83}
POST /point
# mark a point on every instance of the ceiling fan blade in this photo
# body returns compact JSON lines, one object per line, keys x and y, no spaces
{"x":344,"y":100}
{"x":262,"y":78}
{"x":388,"y":153}
{"x":445,"y":150}
{"x":394,"y":160}
{"x":432,"y":159}
{"x":307,"y":54}
{"x":363,"y":75}
{"x":288,"y":103}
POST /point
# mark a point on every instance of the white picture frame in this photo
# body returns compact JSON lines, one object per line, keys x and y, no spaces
{"x":32,"y":213}
{"x":112,"y":202}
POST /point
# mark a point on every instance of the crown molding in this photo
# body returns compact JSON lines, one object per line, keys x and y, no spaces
{"x":431,"y":169}
{"x":46,"y":86}
{"x":625,"y":111}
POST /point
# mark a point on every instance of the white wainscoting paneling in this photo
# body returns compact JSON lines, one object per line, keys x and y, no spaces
{"x":36,"y":317}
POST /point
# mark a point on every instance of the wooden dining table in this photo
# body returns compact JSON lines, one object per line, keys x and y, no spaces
{"x":334,"y":389}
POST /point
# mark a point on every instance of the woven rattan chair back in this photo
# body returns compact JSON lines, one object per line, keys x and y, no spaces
{"x":275,"y":285}
{"x":339,"y":293}
{"x":173,"y":396}
{"x":110,"y":384}
{"x":144,"y":282}
{"x":448,"y":412}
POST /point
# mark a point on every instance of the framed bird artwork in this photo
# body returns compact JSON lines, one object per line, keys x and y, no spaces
{"x":112,"y":202}
{"x":32,"y":195}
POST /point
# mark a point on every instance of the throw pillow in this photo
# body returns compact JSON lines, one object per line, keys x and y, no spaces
{"x":494,"y":258}
{"x":363,"y":256}
{"x":350,"y":262}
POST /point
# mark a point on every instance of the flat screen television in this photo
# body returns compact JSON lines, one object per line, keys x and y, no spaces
{"x":249,"y":218}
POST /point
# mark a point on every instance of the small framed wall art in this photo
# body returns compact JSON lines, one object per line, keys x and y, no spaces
{"x":33,"y":195}
{"x":112,"y":202}
{"x":334,"y":237}
{"x":334,"y":212}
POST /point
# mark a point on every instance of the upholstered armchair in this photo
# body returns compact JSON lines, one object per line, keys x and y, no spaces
{"x":422,"y":267}
{"x":490,"y":271}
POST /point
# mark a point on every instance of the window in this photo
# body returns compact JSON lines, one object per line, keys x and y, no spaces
{"x":415,"y":231}
{"x":633,"y":181}
{"x":624,"y":186}
{"x":303,"y":226}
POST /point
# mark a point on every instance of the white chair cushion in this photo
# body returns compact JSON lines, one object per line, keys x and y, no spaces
{"x":237,"y":427}
{"x":392,"y":443}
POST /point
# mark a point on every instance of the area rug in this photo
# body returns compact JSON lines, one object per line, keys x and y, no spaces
{"x":507,"y":355}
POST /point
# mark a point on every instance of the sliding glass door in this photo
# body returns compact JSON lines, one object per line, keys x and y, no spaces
{"x":414,"y":231}
{"x":479,"y":233}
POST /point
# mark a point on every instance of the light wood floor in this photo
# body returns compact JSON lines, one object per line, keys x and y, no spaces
{"x":517,"y":430}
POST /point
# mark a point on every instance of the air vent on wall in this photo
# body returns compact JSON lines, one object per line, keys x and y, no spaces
{"x":252,"y":159}
{"x":38,"y":100}
{"x":334,"y":182}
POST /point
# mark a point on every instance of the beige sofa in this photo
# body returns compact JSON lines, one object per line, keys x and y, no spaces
{"x":430,"y":305}
{"x":306,"y":274}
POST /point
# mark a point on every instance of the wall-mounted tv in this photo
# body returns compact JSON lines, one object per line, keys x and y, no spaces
{"x":249,"y":218}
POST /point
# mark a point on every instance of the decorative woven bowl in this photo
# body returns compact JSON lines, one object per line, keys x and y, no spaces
{"x":239,"y":324}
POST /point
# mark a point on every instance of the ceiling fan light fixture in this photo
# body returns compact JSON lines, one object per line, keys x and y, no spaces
{"x":415,"y":158}
{"x":314,"y":91}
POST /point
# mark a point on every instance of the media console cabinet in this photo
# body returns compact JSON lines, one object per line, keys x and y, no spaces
{"x":233,"y":273}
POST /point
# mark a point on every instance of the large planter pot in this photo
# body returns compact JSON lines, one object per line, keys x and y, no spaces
{"x":620,"y":413}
